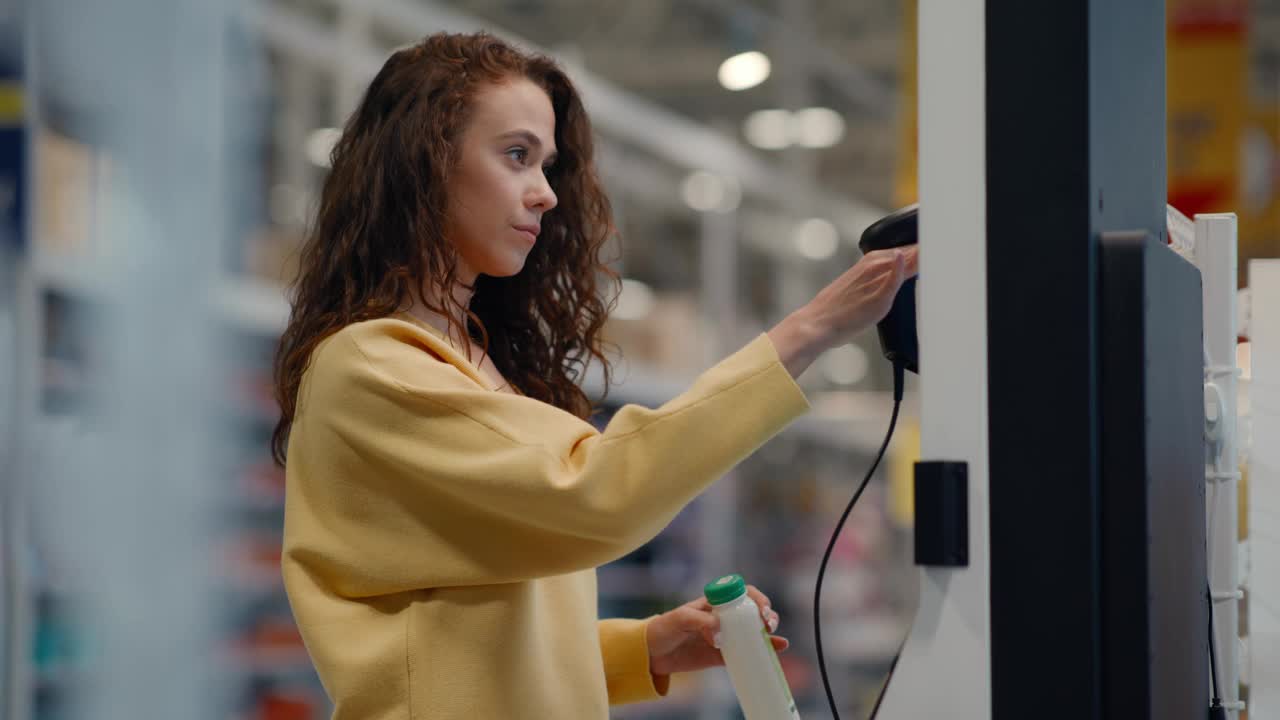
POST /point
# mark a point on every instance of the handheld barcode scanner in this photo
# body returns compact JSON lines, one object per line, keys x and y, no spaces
{"x":898,"y":328}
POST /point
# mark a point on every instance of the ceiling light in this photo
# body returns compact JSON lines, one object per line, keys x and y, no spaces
{"x":320,"y":145}
{"x":702,"y":190}
{"x":817,"y":127}
{"x":816,"y":238}
{"x":768,"y":129}
{"x":744,"y":70}
{"x":705,"y":191}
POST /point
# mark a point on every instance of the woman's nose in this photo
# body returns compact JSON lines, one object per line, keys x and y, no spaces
{"x":541,"y":196}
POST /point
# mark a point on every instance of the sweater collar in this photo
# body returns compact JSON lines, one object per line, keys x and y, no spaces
{"x":449,"y":351}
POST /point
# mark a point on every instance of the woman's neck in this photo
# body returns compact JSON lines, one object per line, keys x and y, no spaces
{"x":462,"y":297}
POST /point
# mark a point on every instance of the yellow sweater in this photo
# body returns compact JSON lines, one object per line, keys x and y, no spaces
{"x":441,"y":537}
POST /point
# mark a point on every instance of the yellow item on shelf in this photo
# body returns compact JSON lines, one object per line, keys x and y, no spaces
{"x":12,"y":106}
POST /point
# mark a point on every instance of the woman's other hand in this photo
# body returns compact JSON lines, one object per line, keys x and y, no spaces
{"x":686,"y":639}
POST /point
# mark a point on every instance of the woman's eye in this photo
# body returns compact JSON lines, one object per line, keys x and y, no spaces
{"x":518,"y":154}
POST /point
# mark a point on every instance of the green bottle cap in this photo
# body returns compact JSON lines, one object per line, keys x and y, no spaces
{"x":726,"y":589}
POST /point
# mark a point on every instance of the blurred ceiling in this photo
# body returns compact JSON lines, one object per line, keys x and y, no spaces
{"x":832,"y":53}
{"x":842,"y":54}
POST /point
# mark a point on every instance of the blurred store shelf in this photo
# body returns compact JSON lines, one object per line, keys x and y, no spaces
{"x":246,"y":303}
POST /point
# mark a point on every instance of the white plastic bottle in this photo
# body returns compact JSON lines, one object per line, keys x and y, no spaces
{"x":748,"y":653}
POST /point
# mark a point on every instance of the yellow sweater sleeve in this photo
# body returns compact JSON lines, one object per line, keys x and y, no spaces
{"x":417,"y":477}
{"x":626,"y":662}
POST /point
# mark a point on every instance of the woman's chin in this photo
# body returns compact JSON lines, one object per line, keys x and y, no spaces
{"x":506,"y":269}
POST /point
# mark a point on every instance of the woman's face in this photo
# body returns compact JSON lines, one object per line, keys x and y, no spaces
{"x":499,"y":192}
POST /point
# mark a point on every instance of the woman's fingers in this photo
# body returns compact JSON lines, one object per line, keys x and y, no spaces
{"x":761,"y":600}
{"x":770,"y":618}
{"x":697,"y":616}
{"x":691,"y":618}
{"x":702,"y":603}
{"x":913,"y":260}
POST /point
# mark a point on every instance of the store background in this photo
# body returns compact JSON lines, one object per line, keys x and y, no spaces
{"x":175,"y":149}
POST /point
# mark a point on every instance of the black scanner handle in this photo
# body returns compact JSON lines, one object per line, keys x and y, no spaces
{"x":898,"y":329}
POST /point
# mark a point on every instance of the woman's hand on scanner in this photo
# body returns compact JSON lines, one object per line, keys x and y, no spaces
{"x":853,"y":302}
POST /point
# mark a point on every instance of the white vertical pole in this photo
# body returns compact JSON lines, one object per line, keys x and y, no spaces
{"x":945,"y":667}
{"x":353,"y":40}
{"x":718,"y":269}
{"x":1264,"y":490}
{"x":1215,"y":254}
{"x":296,"y":91}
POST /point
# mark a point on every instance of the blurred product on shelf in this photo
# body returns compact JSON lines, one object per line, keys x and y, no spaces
{"x":271,"y":254}
{"x":262,"y":485}
{"x":254,"y":396}
{"x":666,"y":338}
{"x":283,"y":704}
{"x":65,"y":193}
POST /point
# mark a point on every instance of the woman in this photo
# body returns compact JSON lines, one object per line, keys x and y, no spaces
{"x":447,"y":500}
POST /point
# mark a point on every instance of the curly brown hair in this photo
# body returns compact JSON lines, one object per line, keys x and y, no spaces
{"x":378,"y":236}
